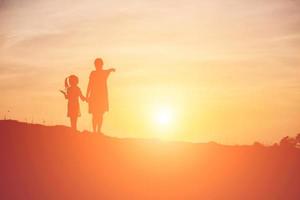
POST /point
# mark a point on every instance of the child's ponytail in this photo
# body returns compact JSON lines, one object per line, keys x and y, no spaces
{"x":70,"y":81}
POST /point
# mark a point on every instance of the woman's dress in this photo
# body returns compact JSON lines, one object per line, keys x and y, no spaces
{"x":98,"y":98}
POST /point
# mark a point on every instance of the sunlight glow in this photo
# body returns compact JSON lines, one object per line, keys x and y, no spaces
{"x":164,"y":116}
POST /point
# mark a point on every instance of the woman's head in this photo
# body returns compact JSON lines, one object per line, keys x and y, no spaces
{"x":73,"y":80}
{"x":98,"y":63}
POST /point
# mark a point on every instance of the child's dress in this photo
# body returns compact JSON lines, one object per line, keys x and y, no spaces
{"x":73,"y":94}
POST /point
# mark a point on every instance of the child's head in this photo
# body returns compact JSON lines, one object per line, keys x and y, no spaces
{"x":73,"y":80}
{"x":98,"y":63}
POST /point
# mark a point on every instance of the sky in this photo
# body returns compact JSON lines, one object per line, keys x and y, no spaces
{"x":225,"y":71}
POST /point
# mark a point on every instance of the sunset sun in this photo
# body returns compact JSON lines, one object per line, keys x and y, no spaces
{"x":164,"y":116}
{"x":163,"y":119}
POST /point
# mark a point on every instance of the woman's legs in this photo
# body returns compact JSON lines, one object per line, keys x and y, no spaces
{"x":73,"y":123}
{"x":97,"y":122}
{"x":94,"y":121}
{"x":100,"y":120}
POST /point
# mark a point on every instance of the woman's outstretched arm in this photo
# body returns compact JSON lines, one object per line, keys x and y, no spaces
{"x":111,"y":70}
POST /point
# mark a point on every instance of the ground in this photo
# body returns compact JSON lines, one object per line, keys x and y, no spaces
{"x":40,"y":162}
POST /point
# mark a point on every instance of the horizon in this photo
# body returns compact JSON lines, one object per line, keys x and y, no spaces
{"x":289,"y":138}
{"x":191,"y":71}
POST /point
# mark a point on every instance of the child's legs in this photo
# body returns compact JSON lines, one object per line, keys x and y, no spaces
{"x":73,"y":123}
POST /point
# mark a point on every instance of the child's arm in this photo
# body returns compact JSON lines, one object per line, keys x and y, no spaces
{"x":83,"y":98}
{"x":64,"y":93}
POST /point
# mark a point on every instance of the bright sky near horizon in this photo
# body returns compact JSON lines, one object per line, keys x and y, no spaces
{"x":227,"y":71}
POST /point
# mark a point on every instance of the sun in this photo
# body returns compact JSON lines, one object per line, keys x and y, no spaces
{"x":163,"y":118}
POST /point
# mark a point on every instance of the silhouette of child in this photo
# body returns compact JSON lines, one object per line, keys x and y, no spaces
{"x":72,"y":93}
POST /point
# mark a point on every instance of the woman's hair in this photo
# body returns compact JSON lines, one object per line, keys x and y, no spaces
{"x":71,"y":81}
{"x":98,"y":63}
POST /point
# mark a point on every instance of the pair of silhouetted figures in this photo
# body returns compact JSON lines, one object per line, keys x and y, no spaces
{"x":96,"y":95}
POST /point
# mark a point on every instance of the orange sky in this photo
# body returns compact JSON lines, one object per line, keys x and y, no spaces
{"x":228,"y":70}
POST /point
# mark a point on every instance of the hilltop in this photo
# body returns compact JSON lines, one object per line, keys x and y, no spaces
{"x":42,"y":162}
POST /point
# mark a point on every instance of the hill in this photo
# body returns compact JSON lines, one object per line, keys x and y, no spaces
{"x":40,"y":162}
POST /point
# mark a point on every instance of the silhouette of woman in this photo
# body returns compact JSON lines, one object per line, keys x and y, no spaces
{"x":73,"y":93}
{"x":97,"y":95}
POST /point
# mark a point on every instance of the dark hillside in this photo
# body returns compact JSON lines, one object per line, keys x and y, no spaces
{"x":40,"y":162}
